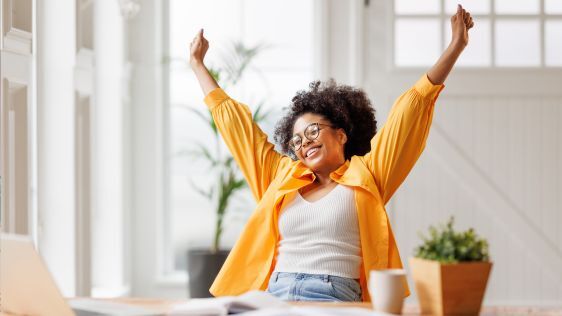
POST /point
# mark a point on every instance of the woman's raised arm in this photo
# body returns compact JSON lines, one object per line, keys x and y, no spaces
{"x":398,"y":145}
{"x":248,"y":144}
{"x":461,"y":22}
{"x":197,"y":50}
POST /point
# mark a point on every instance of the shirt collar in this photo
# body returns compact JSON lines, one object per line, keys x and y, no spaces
{"x":303,"y":171}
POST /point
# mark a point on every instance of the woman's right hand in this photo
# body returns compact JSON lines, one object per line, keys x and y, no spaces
{"x":198,"y":49}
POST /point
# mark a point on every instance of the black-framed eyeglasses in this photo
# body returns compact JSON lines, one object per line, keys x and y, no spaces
{"x":311,"y":132}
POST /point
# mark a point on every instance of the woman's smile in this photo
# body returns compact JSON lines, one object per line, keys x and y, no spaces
{"x":312,"y":152}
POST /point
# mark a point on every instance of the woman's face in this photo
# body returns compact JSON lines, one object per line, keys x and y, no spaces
{"x":325,"y":153}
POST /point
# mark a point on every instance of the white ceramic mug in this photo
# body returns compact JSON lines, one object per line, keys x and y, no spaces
{"x":387,"y":289}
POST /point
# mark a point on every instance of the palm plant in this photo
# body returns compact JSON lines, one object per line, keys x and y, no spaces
{"x":229,"y":180}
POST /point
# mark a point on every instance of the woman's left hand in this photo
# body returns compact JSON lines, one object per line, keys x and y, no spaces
{"x":461,"y":22}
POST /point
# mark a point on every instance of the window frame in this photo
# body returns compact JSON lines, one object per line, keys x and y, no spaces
{"x":383,"y":75}
{"x":492,"y":16}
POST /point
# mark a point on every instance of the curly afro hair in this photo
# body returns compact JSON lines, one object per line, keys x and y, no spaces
{"x":344,"y":106}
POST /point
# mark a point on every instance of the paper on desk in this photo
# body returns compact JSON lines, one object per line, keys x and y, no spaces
{"x":112,"y":308}
{"x":315,"y":311}
{"x":201,"y":306}
{"x":253,"y":300}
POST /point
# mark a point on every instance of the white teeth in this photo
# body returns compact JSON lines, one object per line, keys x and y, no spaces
{"x":311,"y":151}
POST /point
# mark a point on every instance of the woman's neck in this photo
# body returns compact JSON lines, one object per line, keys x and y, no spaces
{"x":323,"y":177}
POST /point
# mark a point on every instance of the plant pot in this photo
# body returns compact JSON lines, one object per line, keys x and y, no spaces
{"x":450,"y":289}
{"x":203,"y":266}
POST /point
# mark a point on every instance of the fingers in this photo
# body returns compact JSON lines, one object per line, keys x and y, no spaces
{"x":468,"y":21}
{"x":460,"y":15}
{"x":199,"y":38}
{"x":464,"y":16}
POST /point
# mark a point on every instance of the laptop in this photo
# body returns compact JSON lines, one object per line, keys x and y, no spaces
{"x":27,"y":287}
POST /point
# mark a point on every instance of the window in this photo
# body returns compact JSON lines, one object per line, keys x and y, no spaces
{"x":283,"y":66}
{"x":508,"y":33}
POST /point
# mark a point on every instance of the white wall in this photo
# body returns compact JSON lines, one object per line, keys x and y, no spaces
{"x":493,"y":162}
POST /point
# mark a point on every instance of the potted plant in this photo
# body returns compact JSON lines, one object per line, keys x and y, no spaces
{"x":204,"y":264}
{"x":450,"y":270}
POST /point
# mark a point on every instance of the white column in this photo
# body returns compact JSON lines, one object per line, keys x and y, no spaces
{"x":108,"y":275}
{"x":56,"y":50}
{"x":145,"y":53}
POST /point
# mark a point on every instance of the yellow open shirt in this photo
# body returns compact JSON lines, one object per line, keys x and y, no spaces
{"x":275,"y":178}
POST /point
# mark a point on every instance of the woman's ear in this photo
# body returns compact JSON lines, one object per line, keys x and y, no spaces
{"x":342,"y":136}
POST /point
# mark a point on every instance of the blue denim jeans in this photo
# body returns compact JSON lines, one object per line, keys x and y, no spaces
{"x":313,"y":287}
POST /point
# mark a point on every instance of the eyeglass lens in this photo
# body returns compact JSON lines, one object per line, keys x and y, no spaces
{"x":311,"y":133}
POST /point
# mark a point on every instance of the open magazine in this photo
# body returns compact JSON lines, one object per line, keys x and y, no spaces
{"x":225,"y":305}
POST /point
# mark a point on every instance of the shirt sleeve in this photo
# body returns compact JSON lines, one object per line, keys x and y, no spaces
{"x":399,"y":143}
{"x":247,"y":143}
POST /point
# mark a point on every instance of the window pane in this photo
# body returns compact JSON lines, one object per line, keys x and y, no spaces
{"x":179,"y":80}
{"x":517,"y":6}
{"x":279,"y":95}
{"x":417,"y":7}
{"x":553,"y":6}
{"x":553,"y":43}
{"x":473,"y":6}
{"x":518,"y":43}
{"x":478,"y":52}
{"x":188,"y":16}
{"x":417,"y":42}
{"x":285,"y":44}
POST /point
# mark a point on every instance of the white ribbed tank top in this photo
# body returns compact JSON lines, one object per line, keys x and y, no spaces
{"x":320,"y":237}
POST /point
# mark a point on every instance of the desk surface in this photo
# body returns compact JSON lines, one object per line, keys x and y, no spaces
{"x":164,"y":305}
{"x":408,"y":310}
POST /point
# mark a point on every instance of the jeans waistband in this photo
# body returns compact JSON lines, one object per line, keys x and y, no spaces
{"x":300,"y":276}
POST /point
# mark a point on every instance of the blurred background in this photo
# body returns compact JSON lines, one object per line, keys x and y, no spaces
{"x":107,"y":155}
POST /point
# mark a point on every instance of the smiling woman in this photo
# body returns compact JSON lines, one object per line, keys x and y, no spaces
{"x":346,"y":125}
{"x":320,"y":224}
{"x":327,"y":115}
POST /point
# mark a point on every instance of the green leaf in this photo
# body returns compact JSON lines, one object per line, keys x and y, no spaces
{"x":228,"y":162}
{"x":200,"y":152}
{"x":206,"y":153}
{"x":206,"y":117}
{"x":208,"y":194}
{"x":258,"y":116}
{"x":236,"y":64}
{"x":447,"y":246}
{"x":215,"y":73}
